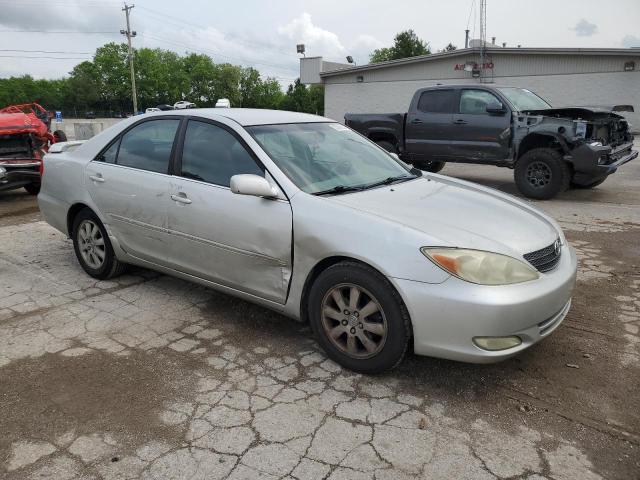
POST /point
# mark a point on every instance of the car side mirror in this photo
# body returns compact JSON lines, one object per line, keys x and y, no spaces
{"x":495,"y":108}
{"x":253,"y":185}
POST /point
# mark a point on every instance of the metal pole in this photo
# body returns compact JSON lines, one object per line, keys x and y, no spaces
{"x":466,"y":38}
{"x":129,"y":34}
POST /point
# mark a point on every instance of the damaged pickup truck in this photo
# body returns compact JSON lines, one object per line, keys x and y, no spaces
{"x":548,"y":148}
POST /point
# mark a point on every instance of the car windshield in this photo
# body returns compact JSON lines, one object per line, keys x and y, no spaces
{"x":328,"y":157}
{"x":523,"y":99}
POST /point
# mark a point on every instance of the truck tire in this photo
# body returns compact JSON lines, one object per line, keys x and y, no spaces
{"x":60,"y":136}
{"x":581,"y":186}
{"x":542,"y":173}
{"x":32,"y":188}
{"x":388,"y":146}
{"x":433,"y":166}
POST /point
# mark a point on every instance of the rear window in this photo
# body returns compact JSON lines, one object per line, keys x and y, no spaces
{"x":436,"y":101}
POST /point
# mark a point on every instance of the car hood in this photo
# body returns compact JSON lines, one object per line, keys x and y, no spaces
{"x":582,"y":111}
{"x":460,"y":214}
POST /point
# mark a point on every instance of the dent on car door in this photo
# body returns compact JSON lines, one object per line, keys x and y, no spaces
{"x":428,"y":127}
{"x":478,"y":134}
{"x":238,"y":241}
{"x":129,"y":183}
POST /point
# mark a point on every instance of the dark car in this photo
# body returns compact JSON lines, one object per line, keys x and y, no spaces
{"x":548,"y":148}
{"x":89,"y":115}
{"x":164,"y":107}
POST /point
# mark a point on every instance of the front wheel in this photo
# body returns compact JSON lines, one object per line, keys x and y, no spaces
{"x":93,"y":248}
{"x":542,"y":173}
{"x":60,"y":136}
{"x":359,"y":318}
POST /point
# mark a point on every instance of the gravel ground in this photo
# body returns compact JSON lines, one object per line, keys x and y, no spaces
{"x":151,"y":377}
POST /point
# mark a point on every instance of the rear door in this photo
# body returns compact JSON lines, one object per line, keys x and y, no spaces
{"x":478,"y":135}
{"x":239,"y":241}
{"x":129,"y":183}
{"x":428,"y":126}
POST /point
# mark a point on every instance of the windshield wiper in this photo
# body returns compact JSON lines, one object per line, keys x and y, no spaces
{"x":390,"y":180}
{"x":338,"y":189}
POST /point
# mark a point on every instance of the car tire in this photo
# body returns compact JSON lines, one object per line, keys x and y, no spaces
{"x":371,"y":328}
{"x":60,"y":136}
{"x":542,"y":173}
{"x":93,"y":248}
{"x":32,"y":188}
{"x":580,"y":186}
{"x":388,"y":146}
{"x":433,"y":166}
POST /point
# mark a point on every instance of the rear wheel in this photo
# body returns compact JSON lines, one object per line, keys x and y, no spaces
{"x":33,"y":188}
{"x":359,"y":318}
{"x":542,"y":173}
{"x":93,"y":248}
{"x":60,"y":136}
{"x":388,"y":146}
{"x":432,"y":166}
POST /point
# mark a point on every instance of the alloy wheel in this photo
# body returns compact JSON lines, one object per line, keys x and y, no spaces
{"x":354,"y":321}
{"x":538,"y":174}
{"x":91,"y":244}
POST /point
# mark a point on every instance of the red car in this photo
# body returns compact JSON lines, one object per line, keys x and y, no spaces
{"x":25,"y":136}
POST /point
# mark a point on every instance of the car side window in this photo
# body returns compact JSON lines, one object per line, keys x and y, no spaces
{"x":212,"y":154}
{"x":436,"y":101}
{"x":109,"y":155}
{"x":147,"y":146}
{"x":475,"y":102}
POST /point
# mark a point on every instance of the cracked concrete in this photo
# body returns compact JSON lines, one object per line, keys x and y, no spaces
{"x":150,"y":377}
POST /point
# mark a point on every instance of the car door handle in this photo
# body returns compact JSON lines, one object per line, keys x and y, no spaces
{"x":459,"y":122}
{"x":97,"y":178}
{"x":181,"y":198}
{"x":416,"y":121}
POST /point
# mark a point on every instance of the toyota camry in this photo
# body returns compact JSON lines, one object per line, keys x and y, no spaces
{"x":302,"y":215}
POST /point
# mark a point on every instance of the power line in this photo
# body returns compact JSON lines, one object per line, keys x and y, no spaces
{"x":59,"y":31}
{"x":44,"y":51}
{"x":52,"y":58}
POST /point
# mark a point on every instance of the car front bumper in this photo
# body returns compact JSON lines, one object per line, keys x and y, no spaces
{"x":447,"y":316}
{"x":595,"y":162}
{"x":12,"y":177}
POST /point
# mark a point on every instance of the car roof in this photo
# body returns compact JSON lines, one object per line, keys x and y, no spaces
{"x":252,"y":116}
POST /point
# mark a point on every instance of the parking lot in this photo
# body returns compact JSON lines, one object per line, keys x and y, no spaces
{"x":152,"y":377}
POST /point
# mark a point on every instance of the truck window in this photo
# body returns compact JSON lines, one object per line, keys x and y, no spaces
{"x":475,"y":102}
{"x":436,"y":101}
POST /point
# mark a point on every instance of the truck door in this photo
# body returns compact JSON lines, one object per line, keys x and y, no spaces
{"x":428,"y":128}
{"x":479,"y":135}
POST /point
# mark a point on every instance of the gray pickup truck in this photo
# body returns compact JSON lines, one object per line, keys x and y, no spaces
{"x":549,"y":148}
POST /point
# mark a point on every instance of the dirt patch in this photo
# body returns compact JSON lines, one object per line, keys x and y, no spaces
{"x":46,"y":397}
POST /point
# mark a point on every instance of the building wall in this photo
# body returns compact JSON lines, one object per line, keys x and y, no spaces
{"x":559,"y":90}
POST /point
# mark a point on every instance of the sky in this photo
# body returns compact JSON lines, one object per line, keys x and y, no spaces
{"x":47,"y":38}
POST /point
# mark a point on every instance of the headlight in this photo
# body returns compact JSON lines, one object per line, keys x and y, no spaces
{"x":477,"y":266}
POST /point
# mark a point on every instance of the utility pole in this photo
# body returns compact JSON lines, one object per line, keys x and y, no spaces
{"x":483,"y":37}
{"x":129,"y":34}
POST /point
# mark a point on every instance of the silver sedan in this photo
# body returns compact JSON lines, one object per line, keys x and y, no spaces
{"x":301,"y":215}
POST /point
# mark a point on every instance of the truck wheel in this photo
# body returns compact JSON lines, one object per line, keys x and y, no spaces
{"x":542,"y":173}
{"x":388,"y":146}
{"x":32,"y":188}
{"x":433,"y":166}
{"x":60,"y":136}
{"x":588,"y":185}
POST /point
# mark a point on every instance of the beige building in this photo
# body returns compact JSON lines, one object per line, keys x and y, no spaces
{"x":563,"y":76}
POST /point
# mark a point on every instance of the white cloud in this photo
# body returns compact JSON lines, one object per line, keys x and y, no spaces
{"x":585,"y":29}
{"x":630,"y":41}
{"x":317,"y":40}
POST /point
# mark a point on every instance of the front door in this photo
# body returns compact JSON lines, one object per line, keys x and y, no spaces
{"x":129,"y":183}
{"x":428,"y":126}
{"x":477,"y":134}
{"x":238,"y":241}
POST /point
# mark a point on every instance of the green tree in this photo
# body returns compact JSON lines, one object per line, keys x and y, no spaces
{"x":405,"y":44}
{"x":300,"y":98}
{"x":450,"y":47}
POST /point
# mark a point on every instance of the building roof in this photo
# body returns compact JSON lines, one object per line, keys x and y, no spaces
{"x":489,"y":51}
